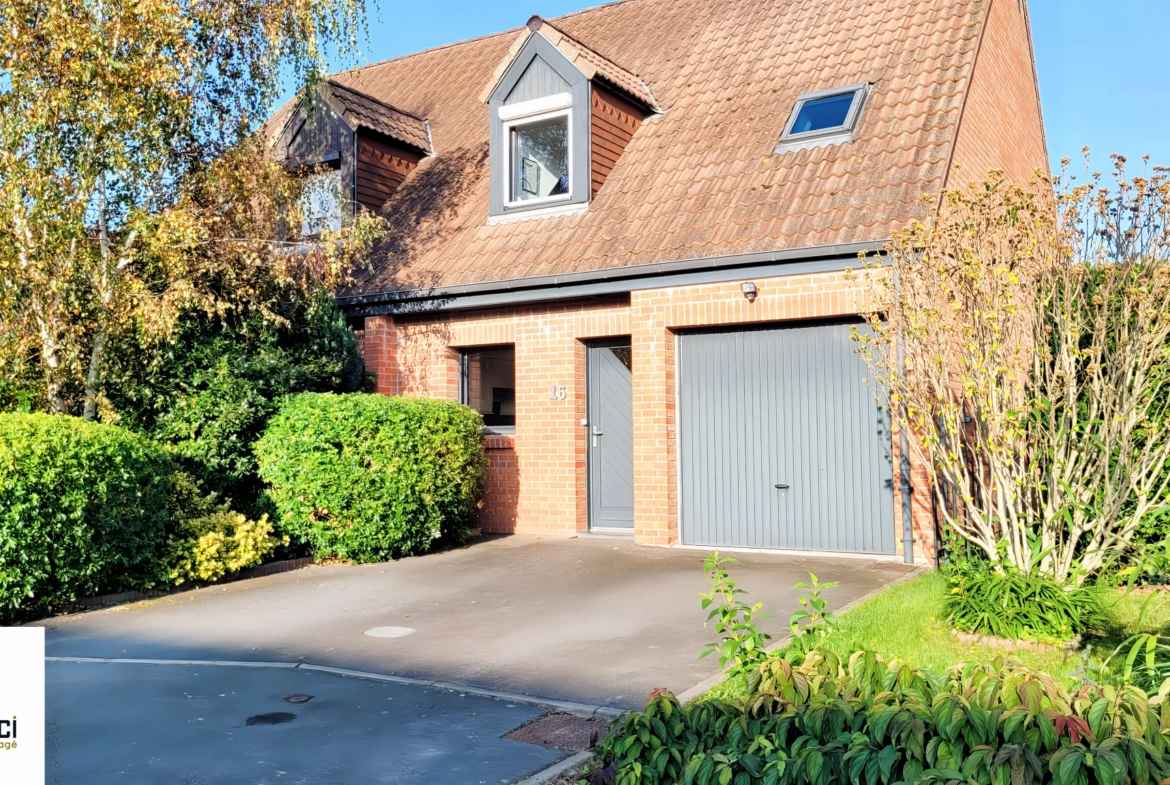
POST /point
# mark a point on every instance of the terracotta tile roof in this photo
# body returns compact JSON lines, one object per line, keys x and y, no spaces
{"x":700,"y":179}
{"x":364,"y":111}
{"x":593,"y":65}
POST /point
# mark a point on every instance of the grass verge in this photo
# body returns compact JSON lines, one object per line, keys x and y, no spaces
{"x":907,"y":622}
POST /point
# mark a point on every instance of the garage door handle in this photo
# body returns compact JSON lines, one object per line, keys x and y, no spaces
{"x":596,"y":433}
{"x":781,"y":486}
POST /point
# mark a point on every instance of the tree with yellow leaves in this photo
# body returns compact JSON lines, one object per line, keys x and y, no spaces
{"x":1024,"y":340}
{"x":134,"y":187}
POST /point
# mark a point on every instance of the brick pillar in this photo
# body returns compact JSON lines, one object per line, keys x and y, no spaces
{"x":655,"y":510}
{"x":380,"y":350}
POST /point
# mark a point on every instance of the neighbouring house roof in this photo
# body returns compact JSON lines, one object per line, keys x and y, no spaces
{"x":701,"y":178}
{"x":365,"y":111}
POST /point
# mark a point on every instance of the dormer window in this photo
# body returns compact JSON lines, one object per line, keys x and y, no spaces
{"x":824,"y":117}
{"x":351,"y":150}
{"x":323,"y":197}
{"x":561,"y":115}
{"x":538,"y":150}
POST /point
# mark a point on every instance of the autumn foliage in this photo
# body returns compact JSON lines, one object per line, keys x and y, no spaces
{"x":1024,"y":337}
{"x":135,"y":187}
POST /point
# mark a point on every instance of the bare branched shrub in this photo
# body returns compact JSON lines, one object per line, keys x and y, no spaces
{"x":1024,"y":338}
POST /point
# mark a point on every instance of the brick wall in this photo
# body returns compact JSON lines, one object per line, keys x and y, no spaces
{"x":502,"y":494}
{"x":537,"y":482}
{"x":1001,"y":126}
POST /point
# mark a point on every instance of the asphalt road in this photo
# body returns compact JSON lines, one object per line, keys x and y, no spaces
{"x":215,"y":725}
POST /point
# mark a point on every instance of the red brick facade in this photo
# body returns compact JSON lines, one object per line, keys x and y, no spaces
{"x":537,"y":479}
{"x":1001,"y":127}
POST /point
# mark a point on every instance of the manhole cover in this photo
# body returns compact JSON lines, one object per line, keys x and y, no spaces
{"x":272,"y":718}
{"x":297,"y":699}
{"x":562,"y":731}
{"x":389,"y":632}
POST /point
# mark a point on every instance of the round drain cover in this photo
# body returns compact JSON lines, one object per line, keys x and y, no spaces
{"x":389,"y":632}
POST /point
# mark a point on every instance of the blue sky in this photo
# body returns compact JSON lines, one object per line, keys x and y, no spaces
{"x":1102,"y":63}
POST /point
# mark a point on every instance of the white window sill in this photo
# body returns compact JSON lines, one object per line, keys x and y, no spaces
{"x":540,"y":212}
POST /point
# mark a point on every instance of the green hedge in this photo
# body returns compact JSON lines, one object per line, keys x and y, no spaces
{"x":370,"y":477}
{"x":83,"y":510}
{"x":868,"y":722}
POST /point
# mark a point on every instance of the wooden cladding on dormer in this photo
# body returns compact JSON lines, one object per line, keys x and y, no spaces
{"x":613,"y":121}
{"x":382,"y":165}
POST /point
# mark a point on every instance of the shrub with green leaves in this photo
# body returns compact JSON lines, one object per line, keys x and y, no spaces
{"x":371,"y":477}
{"x":209,"y":539}
{"x":1017,"y":605}
{"x":209,"y":395}
{"x":868,"y":722}
{"x":83,"y":510}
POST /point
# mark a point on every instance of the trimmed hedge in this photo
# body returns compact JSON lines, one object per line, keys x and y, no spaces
{"x":868,"y":722}
{"x":83,"y":510}
{"x":371,"y":477}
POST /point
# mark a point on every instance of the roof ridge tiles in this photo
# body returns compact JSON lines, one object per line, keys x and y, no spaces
{"x":478,"y":38}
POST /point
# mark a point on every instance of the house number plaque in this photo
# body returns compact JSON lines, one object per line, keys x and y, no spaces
{"x":558,"y":392}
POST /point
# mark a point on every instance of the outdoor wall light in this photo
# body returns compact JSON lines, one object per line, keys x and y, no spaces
{"x":749,"y":291}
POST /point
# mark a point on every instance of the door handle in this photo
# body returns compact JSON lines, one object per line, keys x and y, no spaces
{"x":782,"y":486}
{"x":596,"y":433}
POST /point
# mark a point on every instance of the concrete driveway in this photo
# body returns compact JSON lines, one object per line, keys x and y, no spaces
{"x":595,"y":620}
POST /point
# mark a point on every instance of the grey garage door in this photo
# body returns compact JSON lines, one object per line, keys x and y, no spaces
{"x":781,"y":442}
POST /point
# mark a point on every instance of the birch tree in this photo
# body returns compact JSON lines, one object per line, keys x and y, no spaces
{"x":133,"y":185}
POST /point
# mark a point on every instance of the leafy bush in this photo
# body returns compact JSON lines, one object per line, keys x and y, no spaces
{"x":1017,"y":605}
{"x":370,"y":477}
{"x":743,"y":646}
{"x":208,"y":397}
{"x":83,"y":510}
{"x":211,"y":540}
{"x":865,"y":721}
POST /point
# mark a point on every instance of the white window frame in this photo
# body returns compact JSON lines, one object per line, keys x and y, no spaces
{"x":839,"y":133}
{"x":526,"y":113}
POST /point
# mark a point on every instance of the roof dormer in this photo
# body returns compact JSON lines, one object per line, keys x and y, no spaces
{"x":561,"y":115}
{"x":353,"y":148}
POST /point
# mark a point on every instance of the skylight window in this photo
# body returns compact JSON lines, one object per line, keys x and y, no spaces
{"x":824,"y":117}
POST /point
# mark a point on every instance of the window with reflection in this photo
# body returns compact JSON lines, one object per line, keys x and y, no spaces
{"x":540,"y":159}
{"x":487,"y":383}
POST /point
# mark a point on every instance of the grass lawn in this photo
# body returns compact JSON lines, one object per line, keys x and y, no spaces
{"x":907,"y":622}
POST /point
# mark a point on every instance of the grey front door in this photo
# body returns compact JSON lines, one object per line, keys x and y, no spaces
{"x":781,"y":442}
{"x":610,"y":434}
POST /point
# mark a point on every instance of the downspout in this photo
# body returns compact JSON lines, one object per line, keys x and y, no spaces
{"x":904,"y":471}
{"x":904,"y":447}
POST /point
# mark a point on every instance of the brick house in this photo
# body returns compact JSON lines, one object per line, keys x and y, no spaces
{"x":622,"y":235}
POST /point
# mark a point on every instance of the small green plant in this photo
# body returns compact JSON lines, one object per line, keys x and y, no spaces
{"x":742,"y":645}
{"x":814,"y":622}
{"x":1017,"y":605}
{"x":1146,"y":664}
{"x":210,"y":540}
